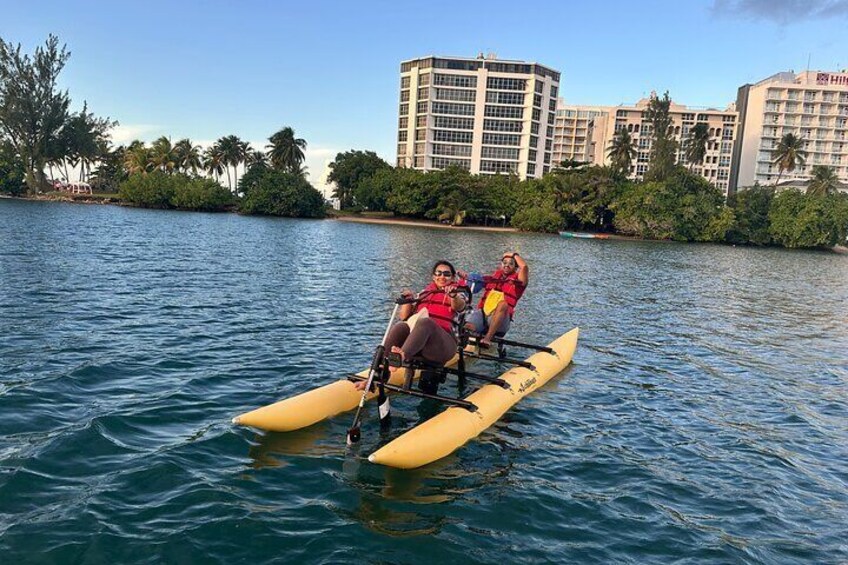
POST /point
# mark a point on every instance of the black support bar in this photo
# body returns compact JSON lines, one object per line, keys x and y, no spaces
{"x":516,"y":344}
{"x":470,"y":406}
{"x":509,"y":360}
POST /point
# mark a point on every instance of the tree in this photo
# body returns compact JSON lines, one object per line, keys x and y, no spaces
{"x":788,"y":154}
{"x":751,"y":209}
{"x":798,"y":220}
{"x":32,"y":109}
{"x":348,"y":170}
{"x":232,"y":151}
{"x":824,"y":181}
{"x":695,"y":146}
{"x":277,"y":193}
{"x":137,"y":158}
{"x":12,"y":171}
{"x":621,"y":151}
{"x":213,"y":161}
{"x":188,"y":156}
{"x":163,"y":156}
{"x":664,"y":147}
{"x":285,"y":150}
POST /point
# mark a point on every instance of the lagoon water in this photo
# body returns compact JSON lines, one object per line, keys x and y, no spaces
{"x":704,"y":420}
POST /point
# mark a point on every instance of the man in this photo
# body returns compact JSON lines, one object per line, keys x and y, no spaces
{"x":503,"y":290}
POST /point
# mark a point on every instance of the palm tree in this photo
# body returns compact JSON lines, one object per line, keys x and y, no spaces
{"x":137,"y":158}
{"x":695,"y":146}
{"x":187,"y":156}
{"x":163,"y":156}
{"x":285,"y":150}
{"x":231,"y":151}
{"x":213,"y":162}
{"x":789,"y":153}
{"x":622,"y":151}
{"x":256,"y":157}
{"x":824,"y":181}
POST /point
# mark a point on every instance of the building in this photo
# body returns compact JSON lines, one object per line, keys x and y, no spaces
{"x":812,"y":105}
{"x":585,"y":132}
{"x":485,"y":115}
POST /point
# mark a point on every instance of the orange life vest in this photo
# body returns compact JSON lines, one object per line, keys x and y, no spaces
{"x":438,"y":305}
{"x":511,"y":286}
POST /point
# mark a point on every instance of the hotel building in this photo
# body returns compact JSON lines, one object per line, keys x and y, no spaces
{"x":584,"y":133}
{"x":485,"y":115}
{"x":812,"y":105}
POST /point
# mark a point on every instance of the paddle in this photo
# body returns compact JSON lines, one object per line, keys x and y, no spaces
{"x":353,"y":434}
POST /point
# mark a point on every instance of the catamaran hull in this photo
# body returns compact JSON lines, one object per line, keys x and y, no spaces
{"x":446,"y":432}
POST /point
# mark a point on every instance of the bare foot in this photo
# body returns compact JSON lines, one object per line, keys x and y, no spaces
{"x":359,"y":385}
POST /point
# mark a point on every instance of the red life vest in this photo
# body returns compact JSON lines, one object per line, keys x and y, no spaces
{"x":511,"y":286}
{"x":438,"y":305}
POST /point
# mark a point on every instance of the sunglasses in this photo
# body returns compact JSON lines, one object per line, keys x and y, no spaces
{"x":442,"y":274}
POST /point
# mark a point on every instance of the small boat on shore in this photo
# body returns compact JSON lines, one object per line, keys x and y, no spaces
{"x":583,"y":235}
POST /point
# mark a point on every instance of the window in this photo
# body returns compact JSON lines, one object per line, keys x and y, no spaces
{"x":499,"y":153}
{"x":498,"y":83}
{"x":554,"y":92}
{"x":504,"y":111}
{"x":403,"y":122}
{"x":423,"y":93}
{"x":493,"y":97}
{"x":419,"y":148}
{"x":534,"y":128}
{"x":461,"y":81}
{"x":404,"y":96}
{"x":531,"y":169}
{"x":502,"y":125}
{"x":551,"y":118}
{"x":421,"y":121}
{"x":450,"y":122}
{"x":401,"y":148}
{"x":404,"y":109}
{"x":419,"y":162}
{"x":531,"y":155}
{"x":537,"y":100}
{"x":422,"y":108}
{"x":453,"y":136}
{"x":540,"y":86}
{"x":451,"y":108}
{"x":402,"y":135}
{"x":444,"y":162}
{"x":455,"y":95}
{"x":498,"y":167}
{"x":501,"y":139}
{"x":552,"y":104}
{"x":424,"y":79}
{"x":452,"y":150}
{"x":537,"y":113}
{"x":420,"y":134}
{"x":404,"y":82}
{"x":534,"y":141}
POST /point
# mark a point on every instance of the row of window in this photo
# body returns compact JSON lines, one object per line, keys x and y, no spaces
{"x":445,"y":162}
{"x":452,"y":150}
{"x":454,"y":109}
{"x":502,"y":139}
{"x":514,"y":112}
{"x":505,"y":98}
{"x":461,"y":81}
{"x":502,"y":125}
{"x":501,"y":83}
{"x":453,"y":136}
{"x":498,"y":167}
{"x":456,"y":95}
{"x":451,"y":122}
{"x":499,"y":153}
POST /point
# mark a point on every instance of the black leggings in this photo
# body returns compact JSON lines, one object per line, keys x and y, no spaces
{"x":427,"y":340}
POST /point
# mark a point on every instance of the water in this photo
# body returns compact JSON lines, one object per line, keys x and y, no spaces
{"x":704,"y":418}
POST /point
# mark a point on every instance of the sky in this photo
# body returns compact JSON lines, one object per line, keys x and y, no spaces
{"x":330,"y":70}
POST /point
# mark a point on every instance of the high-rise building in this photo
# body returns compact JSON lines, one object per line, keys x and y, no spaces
{"x":813,"y":105}
{"x":585,"y":132}
{"x":485,"y":115}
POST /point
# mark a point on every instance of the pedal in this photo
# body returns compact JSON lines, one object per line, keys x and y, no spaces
{"x":394,"y":359}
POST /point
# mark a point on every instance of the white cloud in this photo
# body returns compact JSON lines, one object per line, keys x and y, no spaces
{"x":125,"y":134}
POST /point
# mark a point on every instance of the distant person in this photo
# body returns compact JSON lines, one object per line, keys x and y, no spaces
{"x":434,"y":335}
{"x":503,"y":289}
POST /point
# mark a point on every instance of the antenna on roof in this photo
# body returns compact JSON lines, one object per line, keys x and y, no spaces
{"x":808,"y":61}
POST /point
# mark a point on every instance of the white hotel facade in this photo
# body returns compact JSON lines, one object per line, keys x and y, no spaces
{"x":584,"y":133}
{"x":482,"y":114}
{"x":812,"y":105}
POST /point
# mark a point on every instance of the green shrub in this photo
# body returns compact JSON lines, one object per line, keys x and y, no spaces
{"x":541,"y":218}
{"x":751,"y":209}
{"x":277,"y":193}
{"x":200,"y":194}
{"x":799,"y":220}
{"x":153,"y":190}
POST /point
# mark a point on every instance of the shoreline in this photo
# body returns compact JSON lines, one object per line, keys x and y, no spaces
{"x":420,"y":224}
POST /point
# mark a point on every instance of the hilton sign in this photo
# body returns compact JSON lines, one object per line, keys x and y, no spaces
{"x":832,"y":79}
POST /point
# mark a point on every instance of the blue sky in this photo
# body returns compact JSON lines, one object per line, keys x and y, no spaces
{"x":331,"y":69}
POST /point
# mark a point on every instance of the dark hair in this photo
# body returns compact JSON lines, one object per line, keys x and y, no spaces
{"x":452,"y":270}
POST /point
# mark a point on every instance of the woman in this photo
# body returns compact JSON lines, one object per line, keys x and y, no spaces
{"x":433,"y":336}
